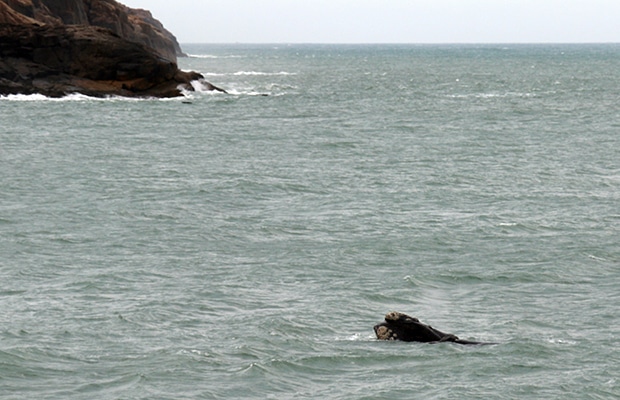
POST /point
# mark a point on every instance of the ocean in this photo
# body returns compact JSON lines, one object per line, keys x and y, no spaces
{"x":243,"y":245}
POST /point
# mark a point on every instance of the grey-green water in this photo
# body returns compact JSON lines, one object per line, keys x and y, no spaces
{"x":243,"y":246}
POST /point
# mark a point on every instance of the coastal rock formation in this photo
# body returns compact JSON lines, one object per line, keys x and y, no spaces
{"x":132,"y":24}
{"x":399,"y":326}
{"x":94,"y":47}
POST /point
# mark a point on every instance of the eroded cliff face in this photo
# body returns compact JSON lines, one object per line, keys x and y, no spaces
{"x":55,"y":60}
{"x":132,"y":24}
{"x":94,"y":47}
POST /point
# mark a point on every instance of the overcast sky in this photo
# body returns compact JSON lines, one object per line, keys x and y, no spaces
{"x":387,"y":21}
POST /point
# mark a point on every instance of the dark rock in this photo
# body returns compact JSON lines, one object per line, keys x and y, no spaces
{"x":94,"y":47}
{"x":60,"y":59}
{"x":20,"y":14}
{"x":145,"y":29}
{"x":399,"y":326}
{"x":135,"y":25}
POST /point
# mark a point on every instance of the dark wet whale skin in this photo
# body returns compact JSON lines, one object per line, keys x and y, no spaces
{"x":399,"y":326}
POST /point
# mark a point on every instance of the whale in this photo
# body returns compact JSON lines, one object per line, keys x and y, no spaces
{"x":402,"y":327}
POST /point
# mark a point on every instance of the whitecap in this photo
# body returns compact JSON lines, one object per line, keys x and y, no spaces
{"x":24,"y":97}
{"x":249,"y":73}
{"x":593,"y":257}
{"x":258,"y":73}
{"x":247,"y":93}
{"x":40,"y":97}
{"x":490,"y":95}
{"x":562,"y":342}
{"x":212,"y":56}
{"x":356,"y":337}
{"x":79,"y":97}
{"x":201,"y":56}
{"x":200,"y":86}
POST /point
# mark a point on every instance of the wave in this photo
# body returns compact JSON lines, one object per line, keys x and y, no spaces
{"x":201,"y":89}
{"x":236,"y":92}
{"x":490,"y":95}
{"x":40,"y":97}
{"x":250,"y":73}
{"x":200,"y":86}
{"x":78,"y":97}
{"x":202,"y":56}
{"x":212,"y":56}
{"x":273,"y":89}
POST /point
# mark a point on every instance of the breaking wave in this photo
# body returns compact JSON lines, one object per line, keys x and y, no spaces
{"x":69,"y":97}
{"x":250,"y":73}
{"x":212,"y":56}
{"x":255,"y":73}
{"x":78,"y":97}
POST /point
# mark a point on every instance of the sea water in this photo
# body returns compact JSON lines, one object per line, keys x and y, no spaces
{"x":242,"y":245}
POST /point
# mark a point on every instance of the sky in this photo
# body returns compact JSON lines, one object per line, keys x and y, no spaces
{"x":388,"y":21}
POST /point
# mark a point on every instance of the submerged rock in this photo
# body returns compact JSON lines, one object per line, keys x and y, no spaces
{"x":94,"y":47}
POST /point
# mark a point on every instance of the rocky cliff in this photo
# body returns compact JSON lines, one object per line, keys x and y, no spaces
{"x":132,"y":24}
{"x":95,"y":47}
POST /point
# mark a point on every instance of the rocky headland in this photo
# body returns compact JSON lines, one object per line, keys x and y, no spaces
{"x":94,"y":47}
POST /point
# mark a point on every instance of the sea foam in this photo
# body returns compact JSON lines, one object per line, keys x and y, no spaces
{"x":40,"y":97}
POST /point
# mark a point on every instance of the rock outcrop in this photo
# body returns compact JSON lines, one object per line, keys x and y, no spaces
{"x":132,"y":24}
{"x":94,"y":47}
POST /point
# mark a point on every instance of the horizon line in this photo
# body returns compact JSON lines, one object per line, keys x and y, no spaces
{"x":402,"y":43}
